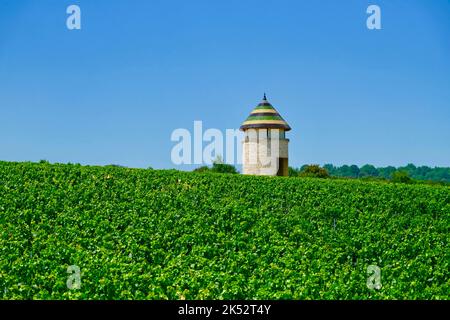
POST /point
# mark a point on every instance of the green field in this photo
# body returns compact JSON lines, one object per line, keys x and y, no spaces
{"x":152,"y":234}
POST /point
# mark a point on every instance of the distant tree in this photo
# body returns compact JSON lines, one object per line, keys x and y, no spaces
{"x":331,"y":169}
{"x":223,"y":168}
{"x":293,"y":172}
{"x":422,"y":172}
{"x":303,"y":167}
{"x":368,"y":170}
{"x":344,"y":171}
{"x":314,"y":171}
{"x":202,"y":169}
{"x":354,"y":171}
{"x":401,"y":177}
{"x":218,"y":159}
{"x":115,"y":165}
{"x":410,"y":168}
{"x":220,"y":167}
{"x":386,"y":172}
{"x":217,"y":167}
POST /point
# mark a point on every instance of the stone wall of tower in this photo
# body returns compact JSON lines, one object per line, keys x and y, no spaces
{"x":257,"y":156}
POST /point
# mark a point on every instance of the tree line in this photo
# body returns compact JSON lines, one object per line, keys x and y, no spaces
{"x":406,"y":174}
{"x":368,"y":171}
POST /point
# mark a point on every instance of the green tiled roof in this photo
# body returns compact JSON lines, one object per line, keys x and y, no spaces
{"x":264,"y":115}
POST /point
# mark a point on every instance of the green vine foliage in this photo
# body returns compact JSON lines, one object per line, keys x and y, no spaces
{"x":155,"y":234}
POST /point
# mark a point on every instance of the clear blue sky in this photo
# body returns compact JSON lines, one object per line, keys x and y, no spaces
{"x":114,"y":91}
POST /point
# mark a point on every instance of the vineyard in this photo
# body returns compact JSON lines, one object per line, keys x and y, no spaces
{"x":164,"y":234}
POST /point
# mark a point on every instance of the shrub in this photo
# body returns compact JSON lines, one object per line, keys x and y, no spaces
{"x":401,"y":177}
{"x":314,"y":171}
{"x":223,"y":168}
{"x":202,"y":169}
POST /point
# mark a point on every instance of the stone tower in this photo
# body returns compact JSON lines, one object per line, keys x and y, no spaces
{"x":265,"y":147}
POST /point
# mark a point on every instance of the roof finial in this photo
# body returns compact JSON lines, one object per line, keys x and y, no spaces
{"x":264,"y":96}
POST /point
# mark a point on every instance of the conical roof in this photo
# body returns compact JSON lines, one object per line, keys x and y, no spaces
{"x":265,"y":116}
